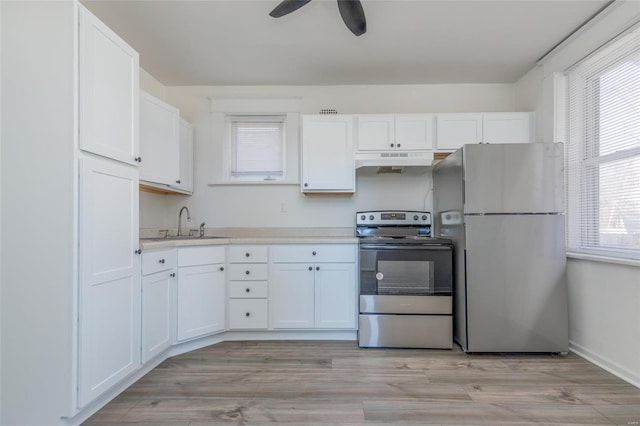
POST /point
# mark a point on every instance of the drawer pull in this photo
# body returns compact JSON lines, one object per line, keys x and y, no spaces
{"x":310,"y":268}
{"x":313,"y":253}
{"x":248,"y":290}
{"x":161,"y":261}
{"x":248,"y":314}
{"x":247,"y":254}
{"x":317,"y":268}
{"x":247,"y":272}
{"x":173,"y":274}
{"x":222,"y":268}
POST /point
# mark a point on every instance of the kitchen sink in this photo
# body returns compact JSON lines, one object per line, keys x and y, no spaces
{"x":181,"y":238}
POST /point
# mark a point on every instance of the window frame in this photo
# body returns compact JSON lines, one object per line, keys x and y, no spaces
{"x":231,"y":142}
{"x":583,"y":213}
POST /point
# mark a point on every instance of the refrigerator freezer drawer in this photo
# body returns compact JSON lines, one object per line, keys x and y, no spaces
{"x":406,"y":331}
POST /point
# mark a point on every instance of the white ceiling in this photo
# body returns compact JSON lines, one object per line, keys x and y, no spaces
{"x":236,"y":42}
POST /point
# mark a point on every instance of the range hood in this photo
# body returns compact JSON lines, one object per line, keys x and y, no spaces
{"x":371,"y":163}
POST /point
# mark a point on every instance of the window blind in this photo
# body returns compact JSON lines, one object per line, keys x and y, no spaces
{"x":257,"y":147}
{"x":603,"y":151}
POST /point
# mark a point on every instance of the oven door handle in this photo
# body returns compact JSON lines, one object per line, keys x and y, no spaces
{"x":403,"y":247}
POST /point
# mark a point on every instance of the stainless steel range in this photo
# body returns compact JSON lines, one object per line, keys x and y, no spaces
{"x":405,"y":281}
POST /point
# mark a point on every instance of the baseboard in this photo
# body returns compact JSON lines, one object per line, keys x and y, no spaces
{"x":606,"y":364}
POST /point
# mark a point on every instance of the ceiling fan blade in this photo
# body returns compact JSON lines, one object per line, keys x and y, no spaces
{"x":287,"y":6}
{"x":353,"y":16}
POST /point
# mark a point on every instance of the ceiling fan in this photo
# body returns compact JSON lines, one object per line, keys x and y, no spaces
{"x":350,"y":10}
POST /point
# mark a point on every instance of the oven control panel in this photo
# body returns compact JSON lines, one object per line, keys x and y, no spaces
{"x":393,"y":218}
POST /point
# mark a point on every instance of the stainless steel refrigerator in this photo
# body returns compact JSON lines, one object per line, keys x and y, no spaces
{"x":503,"y":207}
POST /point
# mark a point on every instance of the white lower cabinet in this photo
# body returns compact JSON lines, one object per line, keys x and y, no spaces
{"x":293,"y":295}
{"x":201,"y":291}
{"x":248,"y":287}
{"x":156,"y":313}
{"x":307,"y":294}
{"x":158,"y":279}
{"x":109,"y":296}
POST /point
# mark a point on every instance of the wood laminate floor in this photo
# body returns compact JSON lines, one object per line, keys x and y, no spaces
{"x":292,"y":382}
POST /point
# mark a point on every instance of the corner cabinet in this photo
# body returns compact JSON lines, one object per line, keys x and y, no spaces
{"x":455,"y":130}
{"x":201,"y":291}
{"x":327,"y":154}
{"x":159,"y":141}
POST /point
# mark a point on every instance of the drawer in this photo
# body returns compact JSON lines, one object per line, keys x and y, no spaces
{"x":248,"y":289}
{"x":248,"y":272}
{"x":248,"y":254}
{"x":337,"y":253}
{"x":202,"y":255}
{"x":247,"y":313}
{"x":157,"y":260}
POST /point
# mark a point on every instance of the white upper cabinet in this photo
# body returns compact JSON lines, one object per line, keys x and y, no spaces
{"x":185,"y":181}
{"x":455,"y":130}
{"x":383,"y":132}
{"x":109,"y":88}
{"x":159,"y":141}
{"x":327,"y":153}
{"x":507,"y":127}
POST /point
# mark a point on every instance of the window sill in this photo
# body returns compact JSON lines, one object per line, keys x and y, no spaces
{"x":257,"y":182}
{"x":605,"y":259}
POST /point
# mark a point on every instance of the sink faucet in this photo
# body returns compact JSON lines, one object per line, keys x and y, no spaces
{"x":180,"y":219}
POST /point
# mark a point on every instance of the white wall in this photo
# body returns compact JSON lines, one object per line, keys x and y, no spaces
{"x":604,"y":298}
{"x":285,"y":206}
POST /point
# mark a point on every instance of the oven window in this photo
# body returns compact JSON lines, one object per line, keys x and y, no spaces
{"x":420,"y":272}
{"x":405,"y":277}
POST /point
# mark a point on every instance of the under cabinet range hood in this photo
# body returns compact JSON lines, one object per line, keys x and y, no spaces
{"x":371,"y":163}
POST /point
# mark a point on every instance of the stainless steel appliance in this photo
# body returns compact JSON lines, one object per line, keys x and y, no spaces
{"x":502,"y":206}
{"x":405,"y":281}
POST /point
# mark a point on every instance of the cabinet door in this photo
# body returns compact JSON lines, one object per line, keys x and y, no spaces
{"x":109,"y":294}
{"x":335,"y":295}
{"x":185,"y":181}
{"x":414,"y":131}
{"x":156,"y":313}
{"x":508,"y":127}
{"x":292,"y":296}
{"x":327,"y":154}
{"x":376,"y":132}
{"x":109,"y":81}
{"x":201,"y":301}
{"x":159,"y":141}
{"x":455,"y":130}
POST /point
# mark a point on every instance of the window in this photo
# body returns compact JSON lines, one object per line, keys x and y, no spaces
{"x":603,"y":151}
{"x":256,"y":147}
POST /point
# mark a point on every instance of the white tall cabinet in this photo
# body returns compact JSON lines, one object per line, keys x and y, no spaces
{"x":70,"y":271}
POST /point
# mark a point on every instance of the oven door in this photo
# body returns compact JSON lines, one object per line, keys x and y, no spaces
{"x":405,"y":270}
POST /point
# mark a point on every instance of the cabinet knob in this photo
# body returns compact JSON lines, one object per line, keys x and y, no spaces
{"x":138,"y":159}
{"x":317,"y":268}
{"x":248,"y":314}
{"x":173,"y":274}
{"x":391,"y":145}
{"x":138,"y":251}
{"x":313,"y":253}
{"x":178,"y":181}
{"x":310,"y":268}
{"x":248,"y":290}
{"x":222,"y":268}
{"x":398,"y":145}
{"x":247,"y":254}
{"x":306,"y":184}
{"x":247,"y":272}
{"x":161,"y":261}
